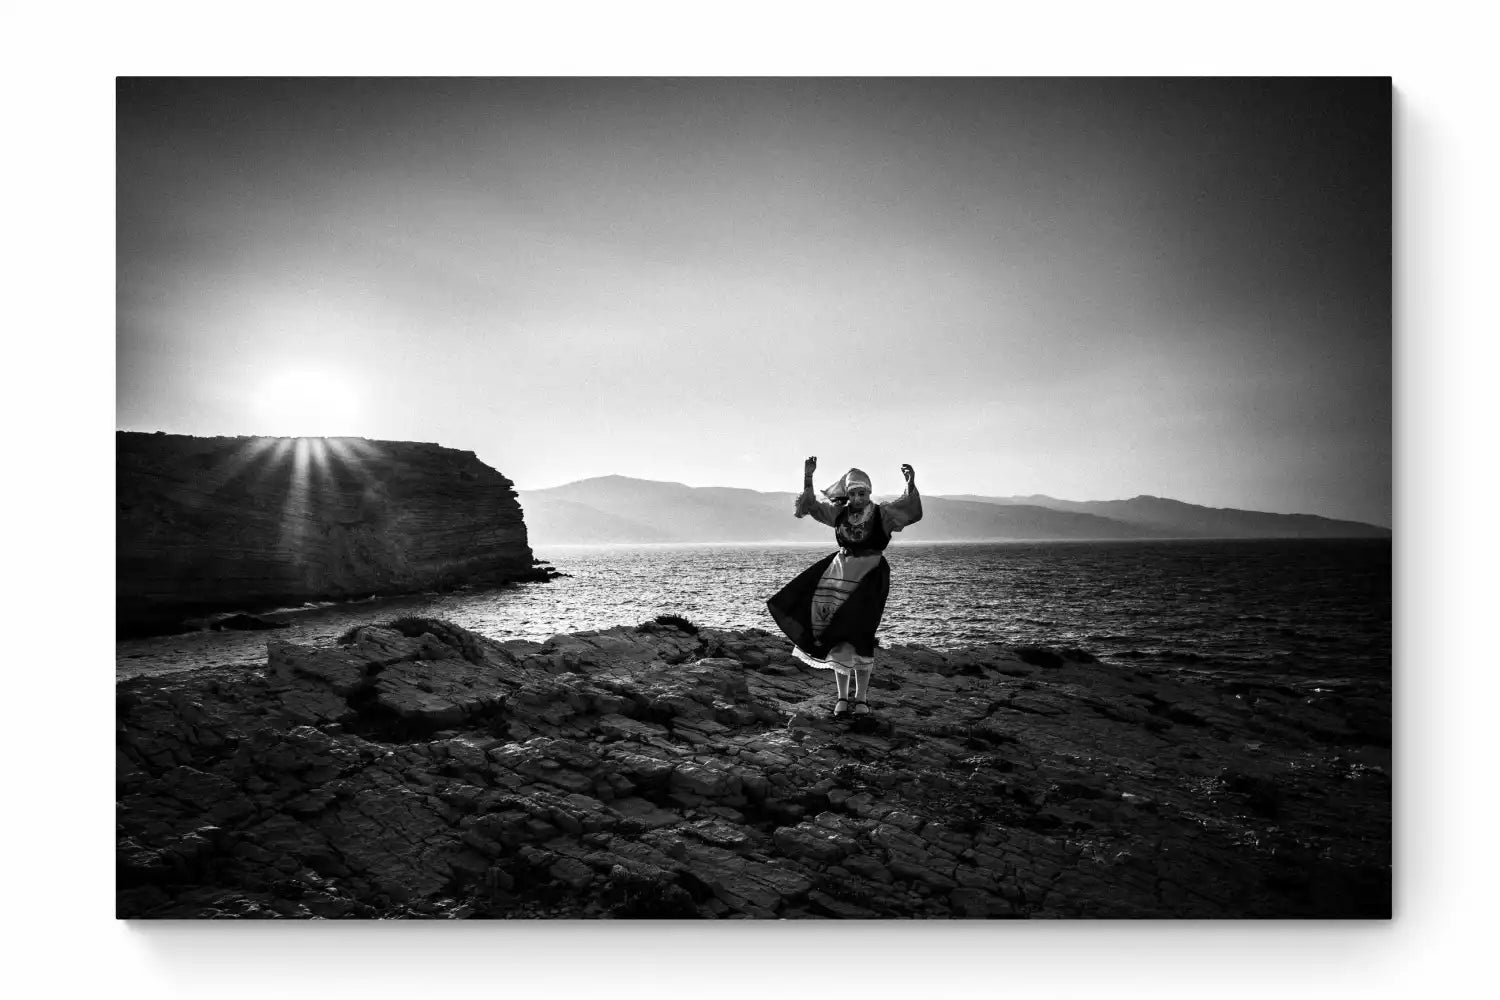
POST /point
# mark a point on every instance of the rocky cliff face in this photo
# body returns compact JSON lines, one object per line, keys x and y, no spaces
{"x":420,"y":770}
{"x":208,"y":524}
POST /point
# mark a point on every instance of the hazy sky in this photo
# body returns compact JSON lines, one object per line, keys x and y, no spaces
{"x":1086,"y":288}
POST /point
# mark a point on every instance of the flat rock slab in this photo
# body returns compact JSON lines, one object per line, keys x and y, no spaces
{"x":437,"y":693}
{"x":644,"y":812}
{"x":620,"y":726}
{"x":337,"y":669}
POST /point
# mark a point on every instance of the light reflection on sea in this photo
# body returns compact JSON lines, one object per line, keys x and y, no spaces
{"x":1283,"y":608}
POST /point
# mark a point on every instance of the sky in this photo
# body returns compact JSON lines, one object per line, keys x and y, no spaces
{"x":1088,"y":288}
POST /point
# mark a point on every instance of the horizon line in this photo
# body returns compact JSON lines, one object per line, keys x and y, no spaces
{"x":952,"y":496}
{"x":958,"y":497}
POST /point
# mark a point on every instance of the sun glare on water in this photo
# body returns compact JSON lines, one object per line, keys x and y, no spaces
{"x":307,"y":403}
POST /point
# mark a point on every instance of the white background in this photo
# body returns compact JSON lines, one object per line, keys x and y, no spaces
{"x":58,"y":122}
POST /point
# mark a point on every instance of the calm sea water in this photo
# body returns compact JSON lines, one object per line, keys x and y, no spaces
{"x":1290,"y":608}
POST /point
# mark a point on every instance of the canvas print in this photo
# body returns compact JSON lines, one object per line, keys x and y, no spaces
{"x":768,"y":498}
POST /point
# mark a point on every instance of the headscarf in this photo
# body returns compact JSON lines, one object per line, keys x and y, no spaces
{"x":846,"y":482}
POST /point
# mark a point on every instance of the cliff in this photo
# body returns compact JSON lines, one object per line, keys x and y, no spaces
{"x":212,"y":524}
{"x":419,"y":770}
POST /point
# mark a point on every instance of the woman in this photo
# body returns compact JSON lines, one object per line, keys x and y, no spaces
{"x":832,"y":609}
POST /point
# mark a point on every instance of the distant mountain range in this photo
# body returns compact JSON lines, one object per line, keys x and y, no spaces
{"x":618,"y":509}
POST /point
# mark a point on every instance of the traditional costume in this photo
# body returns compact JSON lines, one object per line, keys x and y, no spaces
{"x":832,"y":609}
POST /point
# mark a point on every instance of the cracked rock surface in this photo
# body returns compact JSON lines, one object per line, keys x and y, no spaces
{"x":421,"y":770}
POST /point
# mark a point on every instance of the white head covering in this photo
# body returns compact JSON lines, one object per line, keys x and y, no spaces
{"x":846,"y":482}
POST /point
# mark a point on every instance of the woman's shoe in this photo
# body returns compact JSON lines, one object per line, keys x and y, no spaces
{"x":838,"y":714}
{"x":861,"y":708}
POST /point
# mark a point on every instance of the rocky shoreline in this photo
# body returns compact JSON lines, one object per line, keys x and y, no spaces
{"x":421,"y":770}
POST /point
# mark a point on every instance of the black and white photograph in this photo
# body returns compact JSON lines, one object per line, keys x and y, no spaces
{"x":816,"y":499}
{"x":771,"y":498}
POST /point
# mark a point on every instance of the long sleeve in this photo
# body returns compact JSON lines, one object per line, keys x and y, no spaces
{"x":902,"y":511}
{"x":821,"y":510}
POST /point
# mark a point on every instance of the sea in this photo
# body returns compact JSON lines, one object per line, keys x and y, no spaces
{"x":1298,"y":610}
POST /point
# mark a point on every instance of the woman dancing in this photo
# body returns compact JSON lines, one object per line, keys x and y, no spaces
{"x":832,"y":609}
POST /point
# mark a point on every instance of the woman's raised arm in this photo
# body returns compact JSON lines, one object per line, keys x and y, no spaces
{"x":808,"y":503}
{"x":905,"y":509}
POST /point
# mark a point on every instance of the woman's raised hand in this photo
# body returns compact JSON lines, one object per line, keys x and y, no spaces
{"x":810,"y":465}
{"x":908,"y":472}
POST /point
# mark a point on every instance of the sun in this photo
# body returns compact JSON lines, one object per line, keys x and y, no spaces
{"x":305,"y":402}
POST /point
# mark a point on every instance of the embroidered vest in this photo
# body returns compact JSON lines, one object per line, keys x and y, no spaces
{"x":861,"y":539}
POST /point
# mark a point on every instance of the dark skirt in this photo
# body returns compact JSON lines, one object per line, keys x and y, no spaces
{"x":854,"y":622}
